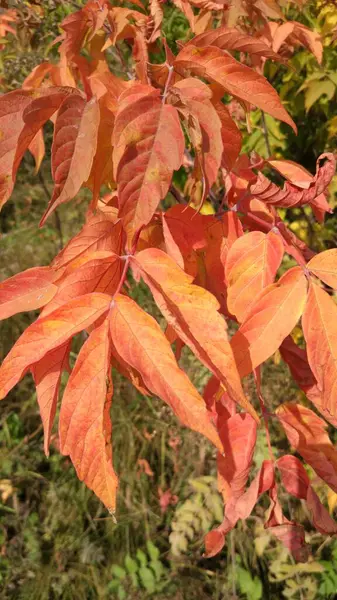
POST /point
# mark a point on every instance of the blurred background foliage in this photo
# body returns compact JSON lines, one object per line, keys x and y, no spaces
{"x":56,"y":540}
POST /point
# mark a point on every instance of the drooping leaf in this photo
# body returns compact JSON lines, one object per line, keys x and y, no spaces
{"x":238,"y":80}
{"x":187,"y":308}
{"x":238,"y":435}
{"x":26,"y":291}
{"x":85,"y":426}
{"x":252,"y":263}
{"x":73,"y":149}
{"x":297,"y":483}
{"x":148,"y":146}
{"x":141,"y":343}
{"x":48,"y":333}
{"x":231,"y":136}
{"x":306,"y":432}
{"x":320,"y":331}
{"x":297,"y":361}
{"x":47,"y":374}
{"x":270,"y":320}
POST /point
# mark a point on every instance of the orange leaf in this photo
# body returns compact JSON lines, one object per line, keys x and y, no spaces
{"x":148,"y":146}
{"x":238,"y":80}
{"x":324,"y":266}
{"x":98,"y":275}
{"x":85,"y":426}
{"x":187,"y":308}
{"x":25,"y":291}
{"x":231,"y":136}
{"x":48,"y":333}
{"x":141,"y":343}
{"x":252,"y":263}
{"x":320,"y":331}
{"x":98,"y":234}
{"x":47,"y":374}
{"x":230,"y":38}
{"x":73,"y":149}
{"x":271,"y":318}
{"x":306,"y":432}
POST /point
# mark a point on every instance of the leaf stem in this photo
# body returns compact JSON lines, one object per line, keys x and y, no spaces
{"x":123,"y":276}
{"x":168,"y":81}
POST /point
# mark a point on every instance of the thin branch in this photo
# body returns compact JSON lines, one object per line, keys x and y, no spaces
{"x":177,"y":195}
{"x":168,"y":81}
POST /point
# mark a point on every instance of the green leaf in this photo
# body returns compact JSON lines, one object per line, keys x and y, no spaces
{"x":121,"y":593}
{"x":141,"y":557}
{"x":158,"y":569}
{"x":130,"y":564}
{"x":152,"y":550}
{"x":316,"y":90}
{"x":118,"y":571}
{"x":147,"y":579}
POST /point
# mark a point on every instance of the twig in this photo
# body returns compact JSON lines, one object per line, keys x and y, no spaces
{"x":177,"y":195}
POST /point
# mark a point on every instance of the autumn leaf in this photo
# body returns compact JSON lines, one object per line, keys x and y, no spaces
{"x":297,"y":361}
{"x":148,"y":146}
{"x":96,"y":275}
{"x":85,"y":426}
{"x":47,"y":374}
{"x":48,"y":333}
{"x":238,"y":80}
{"x":252,"y":263}
{"x":73,"y":149}
{"x":270,"y":320}
{"x":26,"y":291}
{"x":98,"y":234}
{"x":141,"y":343}
{"x":324,"y":266}
{"x":238,"y":435}
{"x":187,"y":307}
{"x":230,"y":38}
{"x":306,"y":432}
{"x":320,"y":328}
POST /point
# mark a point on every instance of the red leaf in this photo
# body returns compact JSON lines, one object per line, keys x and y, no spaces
{"x":297,"y":361}
{"x":47,"y":374}
{"x":306,"y":432}
{"x":296,"y":195}
{"x":85,"y":426}
{"x":148,"y":146}
{"x":74,"y":147}
{"x":141,"y":343}
{"x":238,"y":80}
{"x":238,"y":435}
{"x":214,"y":542}
{"x":292,"y":537}
{"x":26,"y":291}
{"x":294,"y":476}
{"x":48,"y":333}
